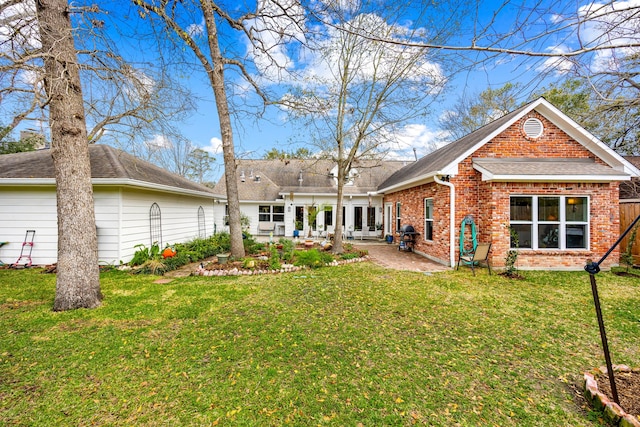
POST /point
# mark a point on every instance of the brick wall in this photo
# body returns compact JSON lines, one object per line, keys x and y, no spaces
{"x":488,"y":202}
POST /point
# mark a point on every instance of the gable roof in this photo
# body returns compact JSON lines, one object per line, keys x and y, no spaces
{"x":109,"y":166}
{"x":445,"y":160}
{"x":268,"y":180}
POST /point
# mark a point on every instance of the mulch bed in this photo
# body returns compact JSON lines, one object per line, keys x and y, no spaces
{"x":628,"y":387}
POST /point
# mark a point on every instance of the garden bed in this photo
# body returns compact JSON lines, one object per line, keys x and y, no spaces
{"x":598,"y":392}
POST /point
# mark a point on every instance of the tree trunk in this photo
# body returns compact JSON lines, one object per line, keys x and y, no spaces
{"x":216,"y":78}
{"x":337,"y":240}
{"x":78,"y":277}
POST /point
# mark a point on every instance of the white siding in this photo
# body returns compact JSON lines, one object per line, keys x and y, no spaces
{"x":23,"y":209}
{"x":179,"y":218}
{"x":108,"y":217}
{"x":122,"y":221}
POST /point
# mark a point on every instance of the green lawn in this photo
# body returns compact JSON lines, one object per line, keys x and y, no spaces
{"x":345,"y":346}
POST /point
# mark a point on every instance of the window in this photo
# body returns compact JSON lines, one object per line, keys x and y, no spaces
{"x":398,"y":221}
{"x":371,"y":218}
{"x":226,"y":215}
{"x":264,"y":213}
{"x":278,"y":213}
{"x":357,"y":218}
{"x":428,"y":219}
{"x":202,"y":232}
{"x":549,"y":222}
{"x":155,"y":225}
{"x":328,"y":216}
{"x":268,"y":213}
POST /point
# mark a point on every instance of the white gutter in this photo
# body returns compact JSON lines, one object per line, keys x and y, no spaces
{"x":117,"y":182}
{"x":452,"y":218}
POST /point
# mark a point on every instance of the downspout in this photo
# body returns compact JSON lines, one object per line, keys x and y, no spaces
{"x":452,"y":218}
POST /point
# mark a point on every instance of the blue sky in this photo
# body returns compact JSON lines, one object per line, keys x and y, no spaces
{"x":253,"y":138}
{"x":253,"y":135}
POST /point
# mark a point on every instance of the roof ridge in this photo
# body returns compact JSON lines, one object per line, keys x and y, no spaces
{"x":113,"y":155}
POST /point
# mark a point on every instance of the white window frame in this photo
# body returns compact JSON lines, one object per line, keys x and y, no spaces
{"x":427,"y":218}
{"x":561,"y":222}
{"x":271,"y":214}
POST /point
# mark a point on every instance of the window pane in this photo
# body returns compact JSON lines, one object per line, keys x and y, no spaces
{"x":278,"y":217}
{"x":371,"y":218}
{"x":523,"y":231}
{"x":548,"y":208}
{"x":357,"y":218}
{"x":576,"y":236}
{"x":328,"y":217}
{"x":428,"y":208}
{"x":264,"y":209}
{"x":278,"y":209}
{"x":428,"y":230}
{"x":548,"y":236}
{"x":264,"y":217}
{"x":521,"y":209}
{"x":576,"y":209}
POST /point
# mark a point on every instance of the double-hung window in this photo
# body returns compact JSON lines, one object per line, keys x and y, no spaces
{"x":269,"y":213}
{"x":398,"y":219}
{"x":428,"y":219}
{"x":549,"y":222}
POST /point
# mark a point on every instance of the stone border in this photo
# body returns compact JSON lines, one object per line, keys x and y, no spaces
{"x":613,"y":413}
{"x":286,"y":268}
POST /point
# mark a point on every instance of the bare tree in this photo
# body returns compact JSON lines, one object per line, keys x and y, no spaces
{"x":597,"y":41}
{"x":181,"y":21}
{"x":366,"y":91}
{"x":126,"y":101}
{"x":78,"y":277}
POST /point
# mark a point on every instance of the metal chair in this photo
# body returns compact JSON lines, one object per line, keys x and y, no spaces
{"x":479,"y":255}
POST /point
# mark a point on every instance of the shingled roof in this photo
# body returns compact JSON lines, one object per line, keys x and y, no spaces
{"x":445,"y":160}
{"x":267,"y":179}
{"x":108,"y":166}
{"x":443,"y":157}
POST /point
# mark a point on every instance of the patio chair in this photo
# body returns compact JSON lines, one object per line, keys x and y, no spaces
{"x":479,"y":255}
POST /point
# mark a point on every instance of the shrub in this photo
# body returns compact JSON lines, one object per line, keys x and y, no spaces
{"x":288,"y":248}
{"x":512,"y":255}
{"x":144,"y":254}
{"x":274,"y":259}
{"x":312,"y":258}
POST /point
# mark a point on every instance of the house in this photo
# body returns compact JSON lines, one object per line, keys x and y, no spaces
{"x":534,"y":172}
{"x":135,"y":203}
{"x":290,"y":197}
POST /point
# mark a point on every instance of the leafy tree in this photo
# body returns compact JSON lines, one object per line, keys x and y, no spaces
{"x":8,"y":145}
{"x":78,"y":278}
{"x":472,"y":112}
{"x":299,"y":153}
{"x":199,"y":164}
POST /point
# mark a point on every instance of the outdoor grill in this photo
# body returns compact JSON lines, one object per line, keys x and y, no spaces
{"x":408,"y":236}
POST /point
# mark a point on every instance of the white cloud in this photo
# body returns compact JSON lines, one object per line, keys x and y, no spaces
{"x":19,"y":29}
{"x":414,"y":136}
{"x":278,"y":23}
{"x":214,"y":147}
{"x":558,"y":64}
{"x":158,"y":142}
{"x":195,"y":30}
{"x":616,"y":24}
